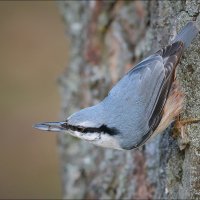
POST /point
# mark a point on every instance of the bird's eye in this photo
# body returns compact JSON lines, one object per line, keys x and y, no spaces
{"x":80,"y":129}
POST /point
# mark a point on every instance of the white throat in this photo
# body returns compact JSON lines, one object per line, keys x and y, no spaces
{"x":99,"y":139}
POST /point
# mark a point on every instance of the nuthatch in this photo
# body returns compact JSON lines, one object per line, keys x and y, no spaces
{"x":143,"y":103}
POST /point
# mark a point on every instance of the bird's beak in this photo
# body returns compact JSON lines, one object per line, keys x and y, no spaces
{"x":51,"y":126}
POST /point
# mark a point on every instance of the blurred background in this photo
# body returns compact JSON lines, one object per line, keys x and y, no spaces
{"x":33,"y":53}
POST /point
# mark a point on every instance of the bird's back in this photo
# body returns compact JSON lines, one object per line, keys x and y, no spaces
{"x":136,"y":103}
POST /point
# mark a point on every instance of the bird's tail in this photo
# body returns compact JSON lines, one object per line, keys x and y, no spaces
{"x":187,"y":34}
{"x":51,"y":126}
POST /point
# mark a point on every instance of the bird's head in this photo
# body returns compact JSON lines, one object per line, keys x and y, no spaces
{"x":87,"y":124}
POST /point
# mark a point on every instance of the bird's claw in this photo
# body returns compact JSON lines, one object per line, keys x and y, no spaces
{"x":179,"y":130}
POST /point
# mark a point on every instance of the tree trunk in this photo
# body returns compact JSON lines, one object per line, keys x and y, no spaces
{"x":106,"y":40}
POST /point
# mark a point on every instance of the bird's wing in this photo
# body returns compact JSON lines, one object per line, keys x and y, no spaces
{"x":145,"y":88}
{"x":170,"y":56}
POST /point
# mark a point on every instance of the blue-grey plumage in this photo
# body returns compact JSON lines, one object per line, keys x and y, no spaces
{"x":136,"y":107}
{"x":187,"y":34}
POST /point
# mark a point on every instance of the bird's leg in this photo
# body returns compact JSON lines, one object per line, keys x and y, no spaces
{"x":190,"y":121}
{"x":179,"y":130}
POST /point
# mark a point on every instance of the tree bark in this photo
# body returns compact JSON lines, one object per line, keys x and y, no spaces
{"x":106,"y":39}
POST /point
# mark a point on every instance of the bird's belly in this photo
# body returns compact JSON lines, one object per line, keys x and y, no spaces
{"x":172,"y":107}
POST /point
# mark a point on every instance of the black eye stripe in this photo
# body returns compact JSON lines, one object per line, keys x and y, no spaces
{"x":103,"y":128}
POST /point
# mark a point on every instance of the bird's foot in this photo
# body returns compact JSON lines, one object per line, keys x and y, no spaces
{"x":179,"y":130}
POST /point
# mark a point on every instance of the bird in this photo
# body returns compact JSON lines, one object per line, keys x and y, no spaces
{"x":143,"y":103}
